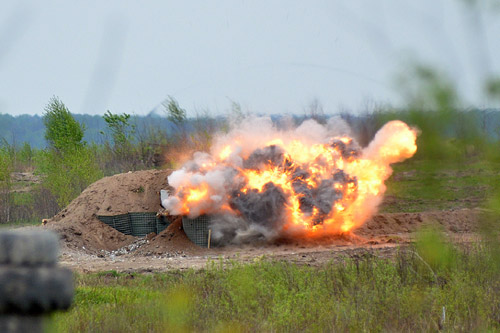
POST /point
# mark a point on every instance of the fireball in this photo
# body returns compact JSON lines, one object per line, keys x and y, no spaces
{"x":302,"y":182}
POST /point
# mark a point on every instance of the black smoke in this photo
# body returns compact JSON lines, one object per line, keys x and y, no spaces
{"x":261,"y":214}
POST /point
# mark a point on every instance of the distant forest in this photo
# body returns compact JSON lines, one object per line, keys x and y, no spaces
{"x":17,"y":130}
{"x":26,"y":128}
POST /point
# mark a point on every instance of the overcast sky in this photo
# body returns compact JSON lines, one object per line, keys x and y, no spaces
{"x":269,"y":56}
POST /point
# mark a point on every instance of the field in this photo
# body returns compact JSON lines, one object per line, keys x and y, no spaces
{"x":458,"y":292}
{"x":427,"y":276}
{"x":428,"y":260}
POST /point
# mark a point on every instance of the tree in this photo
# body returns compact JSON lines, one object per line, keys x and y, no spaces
{"x":315,"y":111}
{"x":122,"y":131}
{"x":68,"y":164}
{"x":236,"y":115}
{"x":25,"y":157}
{"x":122,"y":155}
{"x":6,"y":168}
{"x":175,"y":113}
{"x":62,"y":131}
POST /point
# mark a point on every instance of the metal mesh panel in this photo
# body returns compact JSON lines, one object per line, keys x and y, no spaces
{"x":136,"y":224}
{"x":142,"y":223}
{"x":106,"y":219}
{"x":119,"y":222}
{"x":162,"y":223}
{"x":197,"y":229}
{"x":122,"y":224}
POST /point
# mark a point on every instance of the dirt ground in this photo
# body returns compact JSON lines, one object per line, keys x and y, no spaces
{"x":88,"y":245}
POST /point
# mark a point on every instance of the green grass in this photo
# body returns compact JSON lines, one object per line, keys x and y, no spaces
{"x":418,"y":185}
{"x":406,"y":293}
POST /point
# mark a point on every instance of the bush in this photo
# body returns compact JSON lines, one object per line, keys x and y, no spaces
{"x":67,"y":175}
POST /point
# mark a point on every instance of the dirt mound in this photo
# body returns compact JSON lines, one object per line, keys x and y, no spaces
{"x":452,"y":221}
{"x":172,"y":240}
{"x":78,"y":225}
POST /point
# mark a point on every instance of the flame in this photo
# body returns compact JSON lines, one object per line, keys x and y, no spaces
{"x":327,"y":187}
{"x":194,"y":195}
{"x":225,"y":153}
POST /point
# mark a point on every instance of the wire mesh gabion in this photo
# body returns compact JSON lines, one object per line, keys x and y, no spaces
{"x":137,"y":223}
{"x":143,"y":223}
{"x":197,"y":229}
{"x":119,"y":222}
{"x":162,"y":223}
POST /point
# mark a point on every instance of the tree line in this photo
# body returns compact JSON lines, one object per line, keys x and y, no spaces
{"x":68,"y":162}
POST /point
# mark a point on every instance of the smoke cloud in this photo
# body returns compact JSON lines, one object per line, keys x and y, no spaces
{"x":260,"y":183}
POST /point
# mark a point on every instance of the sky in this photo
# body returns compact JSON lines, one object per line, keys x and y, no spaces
{"x":271,"y":57}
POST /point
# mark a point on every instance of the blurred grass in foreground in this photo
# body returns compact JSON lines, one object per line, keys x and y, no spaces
{"x":405,"y":293}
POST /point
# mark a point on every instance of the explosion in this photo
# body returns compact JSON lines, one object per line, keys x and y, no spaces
{"x":262,"y":183}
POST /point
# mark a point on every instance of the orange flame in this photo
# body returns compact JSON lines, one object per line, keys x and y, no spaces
{"x":357,"y":196}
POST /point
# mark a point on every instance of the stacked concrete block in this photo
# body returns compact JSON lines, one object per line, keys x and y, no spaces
{"x":31,"y":283}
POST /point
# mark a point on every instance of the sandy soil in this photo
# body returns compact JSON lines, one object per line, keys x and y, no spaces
{"x":88,"y":245}
{"x":130,"y":259}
